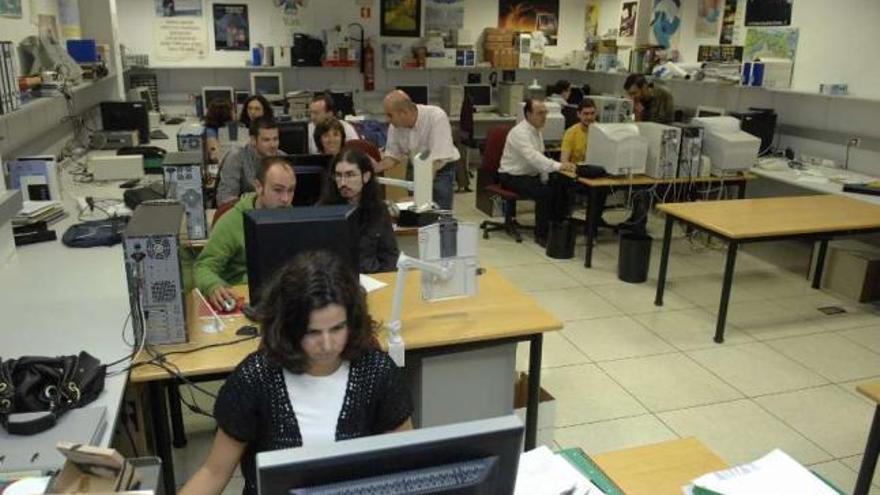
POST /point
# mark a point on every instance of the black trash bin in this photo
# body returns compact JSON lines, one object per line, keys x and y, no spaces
{"x":560,"y":240}
{"x":634,"y":257}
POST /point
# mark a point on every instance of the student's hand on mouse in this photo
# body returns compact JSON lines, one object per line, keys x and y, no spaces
{"x":220,"y":295}
{"x":567,"y":167}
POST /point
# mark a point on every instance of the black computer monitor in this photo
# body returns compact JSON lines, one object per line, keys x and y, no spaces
{"x":418,"y":94}
{"x":761,"y":123}
{"x":474,"y":458}
{"x":272,"y":237}
{"x":576,"y":96}
{"x":126,"y":116}
{"x":343,"y":102}
{"x":479,"y":94}
{"x":293,"y":137}
{"x":310,"y":170}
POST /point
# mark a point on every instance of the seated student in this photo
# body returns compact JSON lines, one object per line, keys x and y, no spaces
{"x":559,"y":92}
{"x":328,"y":136}
{"x":524,"y":167}
{"x":219,"y":114}
{"x":322,"y":108}
{"x":351,"y":181}
{"x":318,"y":377}
{"x":255,"y":106}
{"x":223,"y":262}
{"x":574,"y":143}
{"x":239,"y":167}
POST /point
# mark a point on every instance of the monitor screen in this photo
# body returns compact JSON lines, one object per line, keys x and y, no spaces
{"x":343,"y":101}
{"x":479,"y":94}
{"x":418,"y":94}
{"x":475,"y":458}
{"x":267,"y":84}
{"x":294,"y":137}
{"x":272,"y":237}
{"x":210,"y":94}
{"x":310,"y":170}
{"x":126,"y":116}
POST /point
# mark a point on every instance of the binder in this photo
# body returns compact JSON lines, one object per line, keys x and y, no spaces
{"x":5,"y":106}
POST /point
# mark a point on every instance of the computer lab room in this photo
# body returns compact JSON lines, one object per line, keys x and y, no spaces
{"x":531,"y":247}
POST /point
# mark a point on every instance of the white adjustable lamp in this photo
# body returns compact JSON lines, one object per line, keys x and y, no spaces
{"x":449,"y":266}
{"x":422,"y":184}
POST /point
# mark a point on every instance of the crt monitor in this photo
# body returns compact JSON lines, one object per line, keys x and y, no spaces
{"x":126,"y":116}
{"x":211,"y":93}
{"x":418,"y":94}
{"x":293,"y":137}
{"x":268,"y":84}
{"x":309,"y":170}
{"x":729,"y":148}
{"x":471,"y":458}
{"x":618,"y":148}
{"x":272,"y":237}
{"x":479,"y":94}
{"x":343,"y":102}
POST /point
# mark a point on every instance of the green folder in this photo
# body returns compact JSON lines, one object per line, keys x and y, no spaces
{"x":577,"y":458}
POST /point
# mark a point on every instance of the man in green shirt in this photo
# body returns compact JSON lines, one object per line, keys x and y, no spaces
{"x":652,"y":103}
{"x":222,"y":262}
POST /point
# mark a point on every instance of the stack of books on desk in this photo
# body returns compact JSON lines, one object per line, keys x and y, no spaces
{"x":774,"y":473}
{"x":39,"y":211}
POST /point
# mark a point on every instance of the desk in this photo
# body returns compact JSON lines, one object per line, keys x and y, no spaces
{"x":800,"y":179}
{"x":639,"y":182}
{"x":872,"y":449}
{"x":659,"y":469}
{"x":498,"y":315}
{"x":819,"y":218}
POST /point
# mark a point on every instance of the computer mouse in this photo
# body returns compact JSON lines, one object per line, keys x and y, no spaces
{"x":248,"y":330}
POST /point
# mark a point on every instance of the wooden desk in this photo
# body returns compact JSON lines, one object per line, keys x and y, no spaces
{"x":819,"y":218}
{"x":594,"y":186}
{"x":659,"y":469}
{"x":498,"y":314}
{"x":872,"y":449}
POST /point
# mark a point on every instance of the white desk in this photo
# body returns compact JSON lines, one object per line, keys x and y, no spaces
{"x":813,"y":183}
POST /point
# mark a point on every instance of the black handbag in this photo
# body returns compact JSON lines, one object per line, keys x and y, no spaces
{"x":53,"y":385}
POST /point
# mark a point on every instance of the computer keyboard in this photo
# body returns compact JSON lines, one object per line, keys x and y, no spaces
{"x":437,"y":479}
{"x":174,"y":120}
{"x":158,"y":134}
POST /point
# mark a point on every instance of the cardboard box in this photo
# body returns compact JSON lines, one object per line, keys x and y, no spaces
{"x":852,"y":270}
{"x":502,"y":58}
{"x":93,"y":470}
{"x":546,"y":409}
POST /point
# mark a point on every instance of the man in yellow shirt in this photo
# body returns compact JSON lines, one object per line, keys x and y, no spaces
{"x":574,"y":148}
{"x":574,"y":141}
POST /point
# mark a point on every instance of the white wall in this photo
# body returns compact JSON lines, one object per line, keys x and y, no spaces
{"x":18,"y":29}
{"x":836,"y":41}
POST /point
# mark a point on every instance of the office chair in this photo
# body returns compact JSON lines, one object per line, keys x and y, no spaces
{"x":221,"y":209}
{"x":570,"y":116}
{"x":365,"y":146}
{"x":467,"y":139}
{"x":494,"y":147}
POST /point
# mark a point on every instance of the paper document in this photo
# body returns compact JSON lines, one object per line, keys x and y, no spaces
{"x":370,"y":284}
{"x":775,"y":473}
{"x":541,"y":472}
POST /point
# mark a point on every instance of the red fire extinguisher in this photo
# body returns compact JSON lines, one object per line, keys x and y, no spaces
{"x":369,"y":67}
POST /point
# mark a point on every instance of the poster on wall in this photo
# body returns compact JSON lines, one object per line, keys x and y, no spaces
{"x":708,"y":18}
{"x":444,"y":15}
{"x":527,"y":16}
{"x":10,"y":8}
{"x":291,"y":10}
{"x":400,"y":18}
{"x":68,"y":14}
{"x":179,"y":30}
{"x":772,"y":42}
{"x":628,"y":11}
{"x":231,"y":29}
{"x":591,"y":21}
{"x":666,"y":23}
{"x":768,"y":13}
{"x":728,"y":22}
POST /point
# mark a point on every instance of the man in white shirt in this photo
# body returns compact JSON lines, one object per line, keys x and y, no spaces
{"x":321,"y":108}
{"x":417,"y":128}
{"x":525,"y":169}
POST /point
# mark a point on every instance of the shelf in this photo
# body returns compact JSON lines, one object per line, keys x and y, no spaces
{"x":239,"y":67}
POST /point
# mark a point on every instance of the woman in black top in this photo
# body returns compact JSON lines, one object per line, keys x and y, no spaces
{"x":318,"y":376}
{"x":329,"y":136}
{"x":351,"y":181}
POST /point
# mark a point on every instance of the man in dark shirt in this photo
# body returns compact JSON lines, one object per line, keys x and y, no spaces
{"x":652,"y":103}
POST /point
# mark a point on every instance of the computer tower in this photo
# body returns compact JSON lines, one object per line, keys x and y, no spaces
{"x":663,"y":146}
{"x":151,"y":245}
{"x":183,"y":182}
{"x":690,"y":150}
{"x":452,"y":97}
{"x":510,"y":97}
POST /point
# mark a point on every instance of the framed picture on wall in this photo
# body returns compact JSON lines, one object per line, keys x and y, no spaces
{"x":401,"y":18}
{"x":231,"y":28}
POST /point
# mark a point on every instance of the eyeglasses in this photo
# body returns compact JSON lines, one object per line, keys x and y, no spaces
{"x":346,"y":175}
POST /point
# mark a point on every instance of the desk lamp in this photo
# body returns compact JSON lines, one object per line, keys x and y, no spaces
{"x":448,"y":261}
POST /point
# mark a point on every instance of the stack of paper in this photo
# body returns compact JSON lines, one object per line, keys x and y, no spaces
{"x":36,"y":211}
{"x":776,"y":473}
{"x":541,"y":472}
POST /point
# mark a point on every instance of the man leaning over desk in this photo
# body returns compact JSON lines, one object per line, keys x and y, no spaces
{"x":525,"y":169}
{"x":416,"y":128}
{"x":223,"y":262}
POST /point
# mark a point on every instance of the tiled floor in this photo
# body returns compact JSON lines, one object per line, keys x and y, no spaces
{"x":626,"y":373}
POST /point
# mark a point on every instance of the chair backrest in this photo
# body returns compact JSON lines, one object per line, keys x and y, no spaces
{"x":494,"y":148}
{"x":570,"y":116}
{"x":221,"y":209}
{"x":466,"y":117}
{"x":366,"y":146}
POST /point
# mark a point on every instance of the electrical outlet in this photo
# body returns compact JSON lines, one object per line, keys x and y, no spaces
{"x":854,"y":142}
